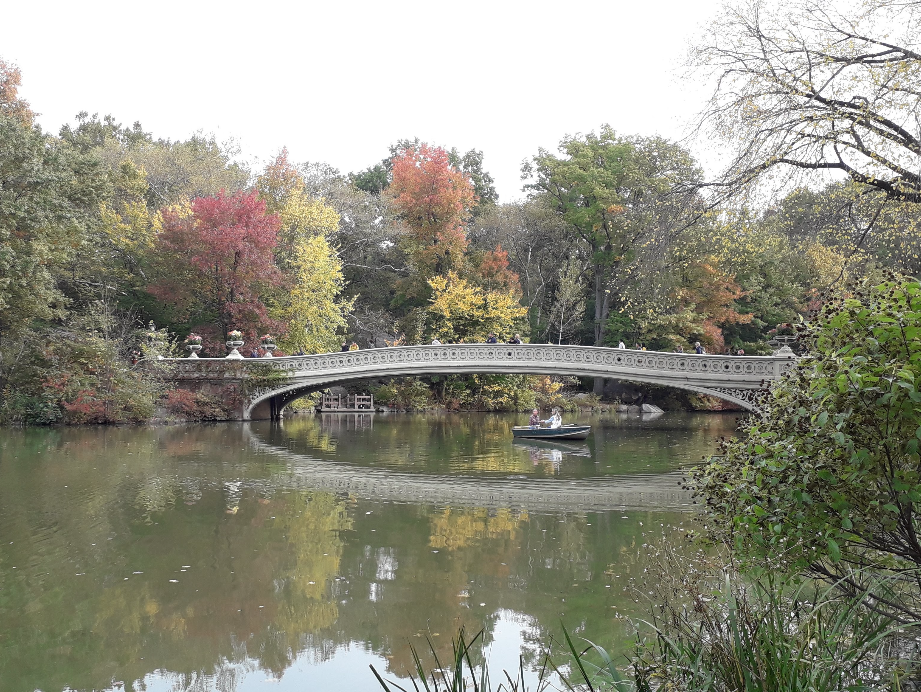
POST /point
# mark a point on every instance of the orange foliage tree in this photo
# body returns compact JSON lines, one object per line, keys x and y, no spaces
{"x":11,"y":104}
{"x":711,"y":294}
{"x":435,"y":201}
{"x":491,"y":271}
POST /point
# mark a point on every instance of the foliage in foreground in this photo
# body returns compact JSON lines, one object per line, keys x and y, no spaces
{"x":714,"y":629}
{"x":84,"y":374}
{"x":829,"y":477}
{"x":462,"y":675}
{"x":719,"y":629}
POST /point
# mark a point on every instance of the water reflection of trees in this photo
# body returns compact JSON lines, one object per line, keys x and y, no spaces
{"x":435,"y":443}
{"x":479,"y":443}
{"x":135,"y":560}
{"x":290,"y":573}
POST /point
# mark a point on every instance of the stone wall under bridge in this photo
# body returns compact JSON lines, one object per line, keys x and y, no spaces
{"x":259,"y":389}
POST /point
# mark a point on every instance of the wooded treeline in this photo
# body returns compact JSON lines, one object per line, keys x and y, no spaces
{"x":105,"y":228}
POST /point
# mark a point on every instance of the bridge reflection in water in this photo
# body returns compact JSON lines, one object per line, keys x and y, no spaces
{"x":636,"y":491}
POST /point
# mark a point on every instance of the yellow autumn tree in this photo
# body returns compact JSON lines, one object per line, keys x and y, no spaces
{"x":828,"y":265}
{"x":123,"y":241}
{"x":284,"y":192}
{"x":311,"y":307}
{"x":461,"y":311}
{"x":303,"y":217}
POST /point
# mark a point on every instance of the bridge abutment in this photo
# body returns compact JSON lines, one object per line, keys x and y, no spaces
{"x":267,"y":409}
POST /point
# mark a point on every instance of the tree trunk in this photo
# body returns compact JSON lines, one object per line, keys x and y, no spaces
{"x":600,"y":300}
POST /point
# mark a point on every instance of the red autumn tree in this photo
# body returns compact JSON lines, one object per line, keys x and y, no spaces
{"x":219,"y":261}
{"x":434,"y":200}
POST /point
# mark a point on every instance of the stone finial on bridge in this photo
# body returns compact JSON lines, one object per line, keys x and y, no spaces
{"x":193,"y":344}
{"x":234,"y":341}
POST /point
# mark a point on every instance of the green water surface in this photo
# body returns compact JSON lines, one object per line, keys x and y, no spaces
{"x":292,"y":556}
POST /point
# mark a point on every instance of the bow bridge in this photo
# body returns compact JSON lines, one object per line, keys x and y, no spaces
{"x":261,"y":388}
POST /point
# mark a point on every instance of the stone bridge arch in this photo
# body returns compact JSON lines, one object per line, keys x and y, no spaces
{"x":733,"y":378}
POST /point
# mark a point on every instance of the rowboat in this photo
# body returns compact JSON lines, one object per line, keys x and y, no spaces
{"x":565,"y":432}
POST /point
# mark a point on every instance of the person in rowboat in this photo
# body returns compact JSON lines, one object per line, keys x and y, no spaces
{"x":555,"y":420}
{"x":534,"y":421}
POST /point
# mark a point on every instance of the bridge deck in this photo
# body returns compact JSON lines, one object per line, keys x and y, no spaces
{"x":734,"y":378}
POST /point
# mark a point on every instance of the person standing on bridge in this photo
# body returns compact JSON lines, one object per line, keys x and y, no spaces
{"x":515,"y":340}
{"x":353,"y":346}
{"x":698,"y":348}
{"x":345,"y":346}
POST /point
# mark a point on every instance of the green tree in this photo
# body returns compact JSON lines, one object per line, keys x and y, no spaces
{"x":93,"y":132}
{"x":569,"y":305}
{"x":176,"y":171}
{"x":49,"y":203}
{"x":373,"y":179}
{"x":828,"y":477}
{"x":471,"y":164}
{"x":619,"y":198}
{"x":861,"y":224}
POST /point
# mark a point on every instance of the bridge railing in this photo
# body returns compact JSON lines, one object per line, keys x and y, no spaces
{"x":517,"y":356}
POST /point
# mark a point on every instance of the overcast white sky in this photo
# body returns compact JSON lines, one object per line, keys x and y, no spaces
{"x":340,"y":81}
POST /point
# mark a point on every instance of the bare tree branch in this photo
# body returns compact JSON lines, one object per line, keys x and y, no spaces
{"x":799,"y":86}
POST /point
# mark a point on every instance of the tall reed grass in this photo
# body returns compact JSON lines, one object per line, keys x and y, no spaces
{"x":716,"y":630}
{"x":776,"y":633}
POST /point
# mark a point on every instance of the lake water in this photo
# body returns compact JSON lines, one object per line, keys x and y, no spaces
{"x":292,"y":556}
